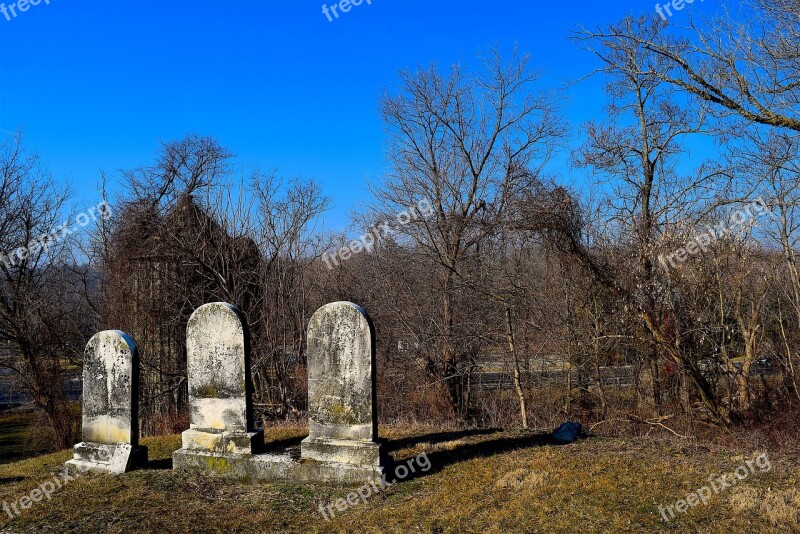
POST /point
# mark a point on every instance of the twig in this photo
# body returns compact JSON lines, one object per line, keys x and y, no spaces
{"x":633,"y":419}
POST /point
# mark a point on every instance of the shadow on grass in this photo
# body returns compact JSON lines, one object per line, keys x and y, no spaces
{"x":281,"y":445}
{"x":158,"y":465}
{"x":468,"y":451}
{"x":438,"y":459}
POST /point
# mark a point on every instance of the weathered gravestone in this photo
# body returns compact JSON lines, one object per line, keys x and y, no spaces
{"x":342,"y":415}
{"x":110,"y":422}
{"x":218,"y":368}
{"x":342,"y":446}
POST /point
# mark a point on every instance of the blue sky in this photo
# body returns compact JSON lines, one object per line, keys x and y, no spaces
{"x":95,"y":85}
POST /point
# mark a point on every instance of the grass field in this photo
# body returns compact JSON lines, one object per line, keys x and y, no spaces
{"x":479,"y":481}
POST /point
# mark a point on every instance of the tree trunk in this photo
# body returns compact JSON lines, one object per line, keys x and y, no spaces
{"x":749,"y":328}
{"x":451,"y":378}
{"x":523,"y":410}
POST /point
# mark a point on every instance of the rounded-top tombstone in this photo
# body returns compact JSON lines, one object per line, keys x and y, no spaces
{"x":110,"y":420}
{"x":110,"y":382}
{"x":218,"y":369}
{"x":342,"y":415}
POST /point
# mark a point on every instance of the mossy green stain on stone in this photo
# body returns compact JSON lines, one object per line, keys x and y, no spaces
{"x":338,"y":413}
{"x":218,"y":464}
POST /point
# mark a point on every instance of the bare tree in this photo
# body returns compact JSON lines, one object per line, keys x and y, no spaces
{"x":287,"y":236}
{"x":743,"y":64}
{"x":466,"y":143}
{"x":42,"y":323}
{"x":638,"y":152}
{"x":177,"y":241}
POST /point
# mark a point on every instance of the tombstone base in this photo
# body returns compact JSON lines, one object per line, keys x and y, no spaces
{"x":276,"y":468}
{"x":222,"y":442}
{"x":360,"y":453}
{"x":107,"y":458}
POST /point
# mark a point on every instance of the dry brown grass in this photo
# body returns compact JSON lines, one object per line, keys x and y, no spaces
{"x":479,"y":482}
{"x":779,"y":506}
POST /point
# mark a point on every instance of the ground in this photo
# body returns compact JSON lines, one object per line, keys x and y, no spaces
{"x":479,"y":481}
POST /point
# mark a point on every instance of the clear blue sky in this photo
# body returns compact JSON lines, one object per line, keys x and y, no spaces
{"x":95,"y":85}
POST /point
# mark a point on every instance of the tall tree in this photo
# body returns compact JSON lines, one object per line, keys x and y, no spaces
{"x":42,"y":321}
{"x":467,"y":143}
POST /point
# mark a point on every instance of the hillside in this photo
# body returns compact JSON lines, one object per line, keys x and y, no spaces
{"x":478,"y":481}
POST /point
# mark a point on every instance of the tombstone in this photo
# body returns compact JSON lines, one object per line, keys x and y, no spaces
{"x":342,"y":415}
{"x":218,"y":368}
{"x":110,"y":419}
{"x":342,"y":446}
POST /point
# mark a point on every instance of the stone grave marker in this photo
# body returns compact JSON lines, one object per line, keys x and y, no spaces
{"x":342,"y":415}
{"x":110,"y":420}
{"x":218,"y":367}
